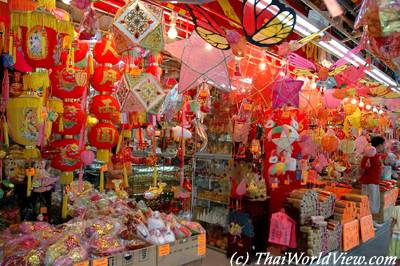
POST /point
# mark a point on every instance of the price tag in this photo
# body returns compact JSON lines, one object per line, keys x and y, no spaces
{"x":82,"y":263}
{"x":367,"y":228}
{"x":351,"y":237}
{"x":201,"y":245}
{"x":100,"y":262}
{"x":43,"y":209}
{"x":163,"y":250}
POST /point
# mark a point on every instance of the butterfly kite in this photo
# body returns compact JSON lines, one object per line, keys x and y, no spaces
{"x":263,"y":24}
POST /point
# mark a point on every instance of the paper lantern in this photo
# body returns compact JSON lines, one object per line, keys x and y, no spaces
{"x":105,"y":51}
{"x":39,"y":32}
{"x":68,"y":82}
{"x":103,"y":136}
{"x":105,"y":107}
{"x":104,"y":78}
{"x":330,"y":142}
{"x":69,"y":157}
{"x":140,"y":93}
{"x":38,"y":44}
{"x":139,"y":24}
{"x":24,"y":116}
{"x":70,"y":123}
{"x":80,"y":51}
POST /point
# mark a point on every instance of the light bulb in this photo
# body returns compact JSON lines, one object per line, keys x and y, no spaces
{"x":262,"y":66}
{"x":208,"y":46}
{"x":353,"y":101}
{"x":282,"y":73}
{"x":368,"y":107}
{"x":361,"y":104}
{"x":345,"y":99}
{"x":172,"y":32}
{"x":375,"y":110}
{"x":313,"y":85}
{"x":380,"y":112}
{"x":67,"y":2}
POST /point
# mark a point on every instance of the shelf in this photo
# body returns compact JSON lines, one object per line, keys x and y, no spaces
{"x":211,"y":200}
{"x":216,"y":156}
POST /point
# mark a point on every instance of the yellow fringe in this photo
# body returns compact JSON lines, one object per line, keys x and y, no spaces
{"x":34,"y":18}
{"x":103,"y":155}
{"x":56,"y":105}
{"x":61,"y":124}
{"x":101,"y":188}
{"x":31,"y":152}
{"x":5,"y":133}
{"x":90,"y":63}
{"x":35,"y":80}
{"x":66,"y":178}
{"x":64,"y":208}
{"x":119,"y":143}
{"x":29,"y":184}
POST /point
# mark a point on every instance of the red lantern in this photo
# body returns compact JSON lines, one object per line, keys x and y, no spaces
{"x":38,"y":44}
{"x":104,"y":78}
{"x":80,"y":51}
{"x":68,"y":82}
{"x":71,"y":121}
{"x":68,"y":159}
{"x":104,"y":52}
{"x":103,"y":136}
{"x":104,"y":107}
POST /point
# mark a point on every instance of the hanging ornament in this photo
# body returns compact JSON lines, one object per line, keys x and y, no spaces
{"x":103,"y":136}
{"x":68,"y":82}
{"x":104,"y":78}
{"x":105,"y":107}
{"x":105,"y":51}
{"x":70,"y":122}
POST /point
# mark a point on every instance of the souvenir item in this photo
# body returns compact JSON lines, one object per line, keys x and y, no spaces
{"x":105,"y":51}
{"x":139,"y":24}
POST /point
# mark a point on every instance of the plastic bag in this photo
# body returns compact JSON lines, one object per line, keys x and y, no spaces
{"x":369,"y":16}
{"x":389,"y":15}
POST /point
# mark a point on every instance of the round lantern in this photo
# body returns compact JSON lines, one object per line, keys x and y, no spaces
{"x":103,"y":136}
{"x":330,"y":142}
{"x":104,"y":78}
{"x":68,"y":82}
{"x":104,"y":107}
{"x":70,"y":122}
{"x":38,"y":44}
{"x":105,"y":51}
{"x":69,"y":158}
{"x":80,"y":51}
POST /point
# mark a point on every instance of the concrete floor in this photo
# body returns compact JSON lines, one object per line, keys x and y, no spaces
{"x":375,"y":247}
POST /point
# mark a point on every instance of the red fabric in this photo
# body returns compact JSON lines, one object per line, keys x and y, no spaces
{"x":372,"y":168}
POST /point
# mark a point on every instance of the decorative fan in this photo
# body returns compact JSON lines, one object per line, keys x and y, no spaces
{"x":267,"y":24}
{"x":207,"y":28}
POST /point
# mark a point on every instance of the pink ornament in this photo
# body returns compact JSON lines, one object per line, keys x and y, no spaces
{"x":241,"y":188}
{"x":87,"y":157}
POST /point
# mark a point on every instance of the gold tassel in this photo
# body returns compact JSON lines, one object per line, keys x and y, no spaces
{"x":5,"y":133}
{"x":66,"y":178}
{"x":101,"y":188}
{"x":103,"y":155}
{"x":64,"y":208}
{"x":127,"y":133}
{"x":29,"y":172}
{"x":11,"y":47}
{"x":91,"y":63}
{"x":119,"y":143}
{"x":31,"y":152}
{"x":61,"y":124}
{"x":125,"y":173}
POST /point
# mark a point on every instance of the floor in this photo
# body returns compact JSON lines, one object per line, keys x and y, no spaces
{"x":375,"y":247}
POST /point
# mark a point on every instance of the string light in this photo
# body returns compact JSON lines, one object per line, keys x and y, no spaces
{"x":172,"y":32}
{"x":353,"y":101}
{"x":375,"y":110}
{"x":262,"y":66}
{"x":380,"y":112}
{"x":67,"y":2}
{"x":368,"y":107}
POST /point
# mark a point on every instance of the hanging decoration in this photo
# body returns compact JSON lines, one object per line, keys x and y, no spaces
{"x":139,"y":24}
{"x":261,"y":27}
{"x":197,"y":68}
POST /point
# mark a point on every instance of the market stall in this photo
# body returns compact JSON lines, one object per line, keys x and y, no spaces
{"x":145,"y":132}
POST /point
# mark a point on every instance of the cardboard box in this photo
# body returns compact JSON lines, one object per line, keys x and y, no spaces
{"x":140,"y":257}
{"x":181,"y":252}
